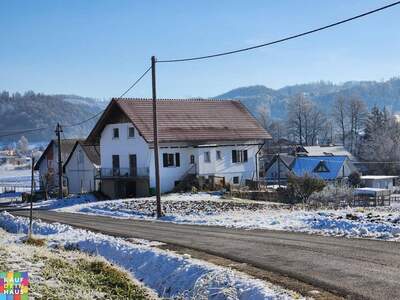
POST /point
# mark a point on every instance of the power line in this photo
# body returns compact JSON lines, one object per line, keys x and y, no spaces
{"x":136,"y":82}
{"x":122,"y":95}
{"x":84,"y":121}
{"x":23,"y":131}
{"x":282,"y":39}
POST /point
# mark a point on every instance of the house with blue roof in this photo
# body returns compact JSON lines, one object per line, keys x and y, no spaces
{"x":328,"y":168}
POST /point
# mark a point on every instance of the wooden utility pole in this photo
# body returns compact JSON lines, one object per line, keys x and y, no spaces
{"x":155,"y":136}
{"x":60,"y":171}
{"x":32,"y":195}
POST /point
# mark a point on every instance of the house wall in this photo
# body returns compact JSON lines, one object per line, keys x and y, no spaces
{"x":49,"y":164}
{"x":346,"y":169}
{"x":223,"y":168}
{"x":272,"y":172}
{"x":80,"y":172}
{"x":379,"y":183}
{"x":124,"y":146}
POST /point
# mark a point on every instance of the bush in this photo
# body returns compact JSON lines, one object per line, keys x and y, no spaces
{"x":300,"y":188}
{"x":333,"y":194}
{"x":355,"y":179}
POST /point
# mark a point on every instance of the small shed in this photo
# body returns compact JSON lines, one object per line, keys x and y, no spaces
{"x":81,"y":168}
{"x":378,"y":181}
{"x":368,"y":196}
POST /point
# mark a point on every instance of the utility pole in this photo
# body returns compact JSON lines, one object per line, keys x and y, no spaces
{"x":32,"y":195}
{"x":155,"y":135}
{"x":279,"y":157}
{"x":60,"y":171}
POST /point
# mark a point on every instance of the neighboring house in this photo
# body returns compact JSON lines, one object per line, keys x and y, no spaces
{"x":280,"y":164}
{"x":47,"y":164}
{"x":328,"y":168}
{"x":378,"y":181}
{"x":325,"y":151}
{"x":196,"y":137}
{"x":81,"y":168}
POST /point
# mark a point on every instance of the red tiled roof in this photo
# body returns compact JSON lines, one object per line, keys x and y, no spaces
{"x":192,"y":120}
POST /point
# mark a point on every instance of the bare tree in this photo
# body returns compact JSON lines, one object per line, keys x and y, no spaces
{"x":296,"y":117}
{"x":305,"y":120}
{"x":357,"y":114}
{"x":263,"y":115}
{"x":317,"y":126}
{"x":340,"y":117}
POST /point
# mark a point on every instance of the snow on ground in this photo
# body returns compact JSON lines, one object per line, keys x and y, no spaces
{"x":50,"y":281}
{"x":169,"y":274}
{"x":58,"y":203}
{"x":205,"y":209}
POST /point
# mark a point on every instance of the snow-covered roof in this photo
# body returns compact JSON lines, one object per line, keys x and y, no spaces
{"x":378,"y":177}
{"x":328,"y":151}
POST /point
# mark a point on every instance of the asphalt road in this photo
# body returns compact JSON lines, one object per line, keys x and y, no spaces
{"x":354,"y":267}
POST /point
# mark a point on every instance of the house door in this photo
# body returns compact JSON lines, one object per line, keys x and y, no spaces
{"x":115,"y":165}
{"x":131,"y":189}
{"x":132,"y":165}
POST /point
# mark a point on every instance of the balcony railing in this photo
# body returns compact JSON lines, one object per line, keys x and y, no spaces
{"x":122,"y":172}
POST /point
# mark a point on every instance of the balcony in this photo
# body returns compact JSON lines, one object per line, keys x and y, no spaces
{"x":128,"y":173}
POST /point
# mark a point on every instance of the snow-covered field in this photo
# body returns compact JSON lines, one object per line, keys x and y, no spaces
{"x":167,"y":273}
{"x":15,"y":178}
{"x":204,"y":209}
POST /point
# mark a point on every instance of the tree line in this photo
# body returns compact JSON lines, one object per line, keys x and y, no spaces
{"x":371,"y":135}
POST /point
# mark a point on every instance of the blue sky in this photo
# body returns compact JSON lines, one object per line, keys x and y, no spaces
{"x":98,"y":48}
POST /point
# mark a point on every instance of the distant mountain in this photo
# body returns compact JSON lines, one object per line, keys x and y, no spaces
{"x":30,"y":110}
{"x":386,"y":93}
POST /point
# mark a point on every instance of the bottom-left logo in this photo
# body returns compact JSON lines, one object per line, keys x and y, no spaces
{"x":14,"y":285}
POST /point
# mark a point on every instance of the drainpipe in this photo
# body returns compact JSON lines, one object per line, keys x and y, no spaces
{"x":257,"y":172}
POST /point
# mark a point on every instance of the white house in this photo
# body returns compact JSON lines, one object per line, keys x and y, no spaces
{"x":378,"y":181}
{"x":80,"y":168}
{"x":47,"y":164}
{"x":201,"y":137}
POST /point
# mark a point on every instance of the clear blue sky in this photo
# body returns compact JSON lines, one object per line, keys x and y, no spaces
{"x":97,"y":48}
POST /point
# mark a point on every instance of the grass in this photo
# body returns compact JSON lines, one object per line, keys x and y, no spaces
{"x":68,"y":275}
{"x":35,"y":241}
{"x":94,"y":277}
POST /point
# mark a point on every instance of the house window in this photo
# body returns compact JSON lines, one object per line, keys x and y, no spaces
{"x":115,"y":133}
{"x":207,"y":157}
{"x":219,"y":155}
{"x":321,"y":167}
{"x":239,"y":156}
{"x":171,"y":160}
{"x":236,"y":180}
{"x":192,"y":159}
{"x":115,"y":165}
{"x":131,"y":132}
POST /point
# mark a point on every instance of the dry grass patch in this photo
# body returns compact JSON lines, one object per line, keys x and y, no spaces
{"x":35,"y":241}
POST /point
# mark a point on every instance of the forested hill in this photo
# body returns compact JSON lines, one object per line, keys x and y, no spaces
{"x":30,"y":110}
{"x":384,"y":93}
